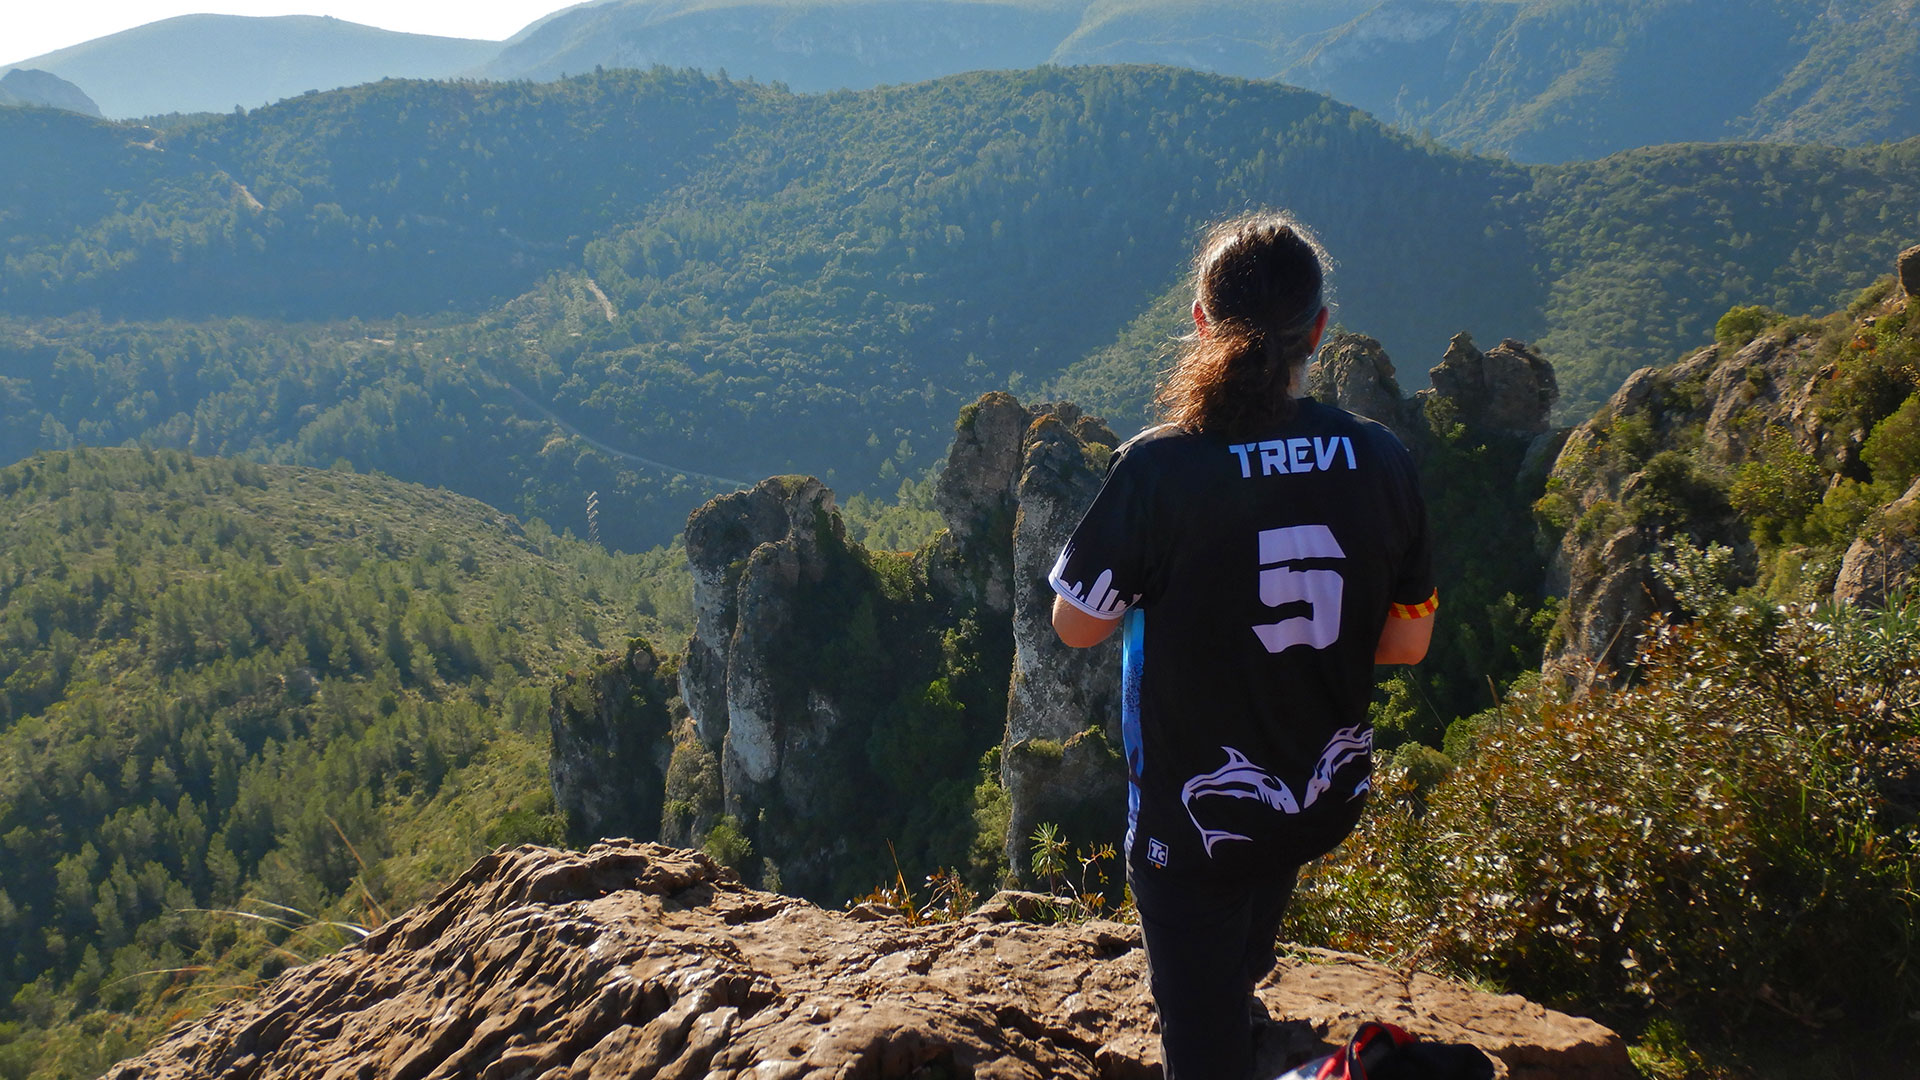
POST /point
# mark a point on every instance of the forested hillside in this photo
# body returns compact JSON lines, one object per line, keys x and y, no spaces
{"x":232,"y":693}
{"x":1542,"y":80}
{"x":652,"y":284}
{"x":1559,"y":80}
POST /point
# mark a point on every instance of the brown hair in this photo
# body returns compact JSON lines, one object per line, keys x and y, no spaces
{"x":1258,"y":279}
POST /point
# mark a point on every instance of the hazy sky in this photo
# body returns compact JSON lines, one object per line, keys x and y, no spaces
{"x":31,"y":27}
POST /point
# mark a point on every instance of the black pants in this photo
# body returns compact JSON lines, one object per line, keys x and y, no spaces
{"x":1209,"y":941}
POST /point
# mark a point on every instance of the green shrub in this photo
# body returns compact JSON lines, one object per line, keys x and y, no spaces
{"x":1632,"y":439}
{"x":1554,"y":512}
{"x":1740,"y":325}
{"x":1843,"y":510}
{"x":1600,"y":519}
{"x":1393,"y":712}
{"x":727,"y":845}
{"x":527,"y":825}
{"x":1699,"y":844}
{"x":1673,"y":492}
{"x":1893,"y":450}
{"x":1777,"y":489}
{"x":1872,"y":296}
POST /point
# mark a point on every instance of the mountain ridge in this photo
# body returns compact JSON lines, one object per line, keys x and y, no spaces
{"x":1559,"y":80}
{"x":31,"y":87}
{"x":1538,"y":80}
{"x":215,"y":63}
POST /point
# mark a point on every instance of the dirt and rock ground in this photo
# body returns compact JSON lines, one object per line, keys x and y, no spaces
{"x":639,"y":960}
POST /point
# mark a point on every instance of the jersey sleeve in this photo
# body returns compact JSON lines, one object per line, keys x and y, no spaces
{"x":1105,"y":566}
{"x":1414,"y":595}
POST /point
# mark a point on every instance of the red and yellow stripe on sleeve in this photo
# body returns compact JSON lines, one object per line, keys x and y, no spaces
{"x":1416,"y":611}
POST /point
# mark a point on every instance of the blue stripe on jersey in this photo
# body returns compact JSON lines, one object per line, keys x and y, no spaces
{"x":1133,"y":636}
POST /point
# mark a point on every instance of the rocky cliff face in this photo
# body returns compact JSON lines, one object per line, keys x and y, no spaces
{"x":753,"y":554}
{"x":1508,"y":391}
{"x":1059,"y":760}
{"x":803,"y":643}
{"x":831,"y":685}
{"x":1879,"y":562}
{"x":1355,"y":373}
{"x":1759,"y":446}
{"x":640,"y":961}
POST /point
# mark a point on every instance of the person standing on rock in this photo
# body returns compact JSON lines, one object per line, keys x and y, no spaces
{"x":1260,"y":553}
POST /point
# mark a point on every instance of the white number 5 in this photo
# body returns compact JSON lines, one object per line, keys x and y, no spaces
{"x":1280,"y":585}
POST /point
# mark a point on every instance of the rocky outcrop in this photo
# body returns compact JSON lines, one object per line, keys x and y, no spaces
{"x":775,"y":584}
{"x":1509,"y":390}
{"x":1016,"y":482}
{"x":752,"y":553}
{"x":780,"y":595}
{"x":813,"y":660}
{"x":977,"y":496}
{"x":1617,"y":516}
{"x":610,"y":747}
{"x":1355,"y":373}
{"x":1060,"y":761}
{"x":1909,"y":267}
{"x":649,"y":962}
{"x":1661,"y":461}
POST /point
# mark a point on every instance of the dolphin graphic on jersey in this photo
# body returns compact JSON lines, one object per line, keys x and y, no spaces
{"x":1347,"y":745}
{"x":1237,"y":779}
{"x":1240,"y":778}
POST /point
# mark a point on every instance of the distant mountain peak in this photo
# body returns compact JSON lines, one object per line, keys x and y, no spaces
{"x":31,"y":86}
{"x":210,"y":63}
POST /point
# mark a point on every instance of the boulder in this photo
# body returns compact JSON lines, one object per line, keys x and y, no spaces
{"x":1882,"y":562}
{"x":638,"y":960}
{"x":1910,"y":270}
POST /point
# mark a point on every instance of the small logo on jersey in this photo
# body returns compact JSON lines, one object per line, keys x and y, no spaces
{"x":1157,"y":853}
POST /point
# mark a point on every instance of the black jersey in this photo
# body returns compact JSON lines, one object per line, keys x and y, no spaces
{"x":1254,"y":578}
